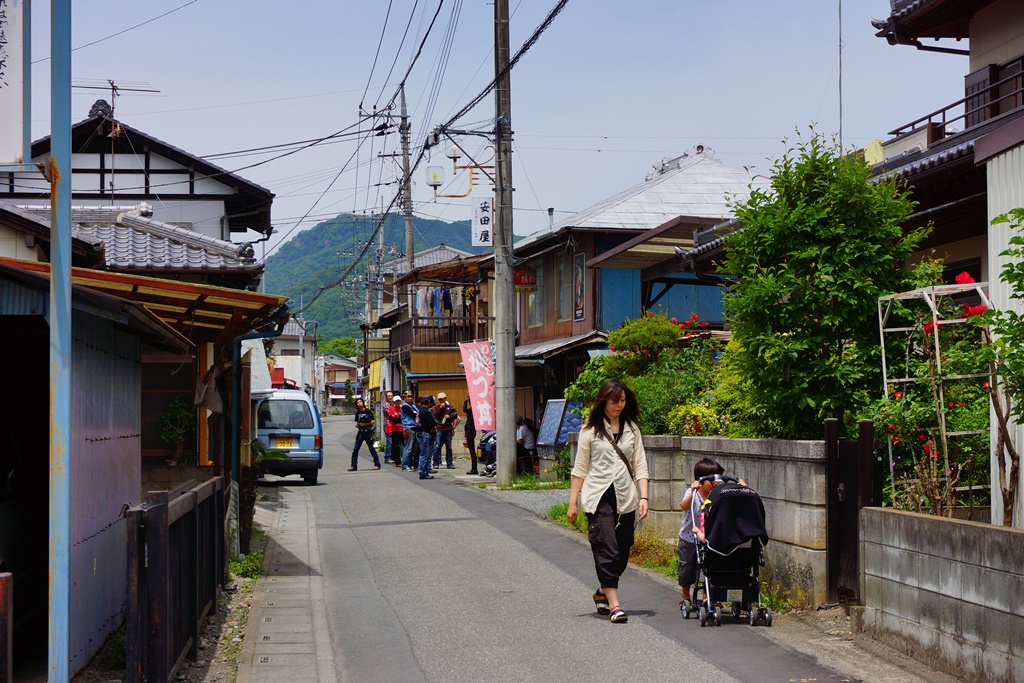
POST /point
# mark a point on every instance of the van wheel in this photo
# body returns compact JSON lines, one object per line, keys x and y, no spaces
{"x":310,"y":477}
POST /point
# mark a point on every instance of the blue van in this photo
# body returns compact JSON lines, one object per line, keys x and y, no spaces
{"x":288,"y":421}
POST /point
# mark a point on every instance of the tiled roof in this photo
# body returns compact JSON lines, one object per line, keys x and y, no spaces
{"x":133,"y":241}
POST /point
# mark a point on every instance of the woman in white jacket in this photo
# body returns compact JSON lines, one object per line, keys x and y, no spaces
{"x":609,"y":479}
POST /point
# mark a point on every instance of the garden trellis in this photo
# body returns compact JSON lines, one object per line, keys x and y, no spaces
{"x":917,"y":317}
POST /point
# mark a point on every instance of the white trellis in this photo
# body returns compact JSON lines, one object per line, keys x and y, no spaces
{"x":932,"y":296}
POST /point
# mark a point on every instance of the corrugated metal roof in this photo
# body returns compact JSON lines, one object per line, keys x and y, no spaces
{"x":427,"y":257}
{"x":694,"y":184}
{"x":547,"y":348}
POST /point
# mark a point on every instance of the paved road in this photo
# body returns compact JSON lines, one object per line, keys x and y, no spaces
{"x":378,"y":576}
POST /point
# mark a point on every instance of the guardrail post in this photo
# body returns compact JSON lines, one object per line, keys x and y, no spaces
{"x":158,"y":588}
{"x":6,"y":626}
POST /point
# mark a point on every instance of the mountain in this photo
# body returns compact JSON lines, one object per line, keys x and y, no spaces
{"x":310,"y":261}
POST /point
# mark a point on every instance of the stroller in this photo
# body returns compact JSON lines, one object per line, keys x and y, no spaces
{"x":729,"y":560}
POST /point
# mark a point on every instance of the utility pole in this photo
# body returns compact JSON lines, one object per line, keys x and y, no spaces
{"x":403,"y":129}
{"x":504,"y":286}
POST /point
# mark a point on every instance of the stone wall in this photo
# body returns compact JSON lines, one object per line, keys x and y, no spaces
{"x":944,"y":591}
{"x":788,"y":475}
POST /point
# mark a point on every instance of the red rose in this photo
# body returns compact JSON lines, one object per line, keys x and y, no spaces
{"x":693,"y":316}
{"x":675,"y":321}
{"x":703,"y":324}
{"x":964,"y":278}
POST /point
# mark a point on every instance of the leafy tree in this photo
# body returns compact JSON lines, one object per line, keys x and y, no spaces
{"x":342,"y":346}
{"x":812,"y":256}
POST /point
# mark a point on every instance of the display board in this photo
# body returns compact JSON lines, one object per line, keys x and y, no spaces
{"x":572,"y":421}
{"x":551,"y":423}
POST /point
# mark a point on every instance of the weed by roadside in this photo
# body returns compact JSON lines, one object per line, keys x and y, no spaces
{"x":557,"y":514}
{"x":250,"y":566}
{"x":650,"y":550}
{"x":776,"y":598}
{"x":530,"y":482}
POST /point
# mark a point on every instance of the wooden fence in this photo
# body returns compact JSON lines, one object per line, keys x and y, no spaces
{"x":176,"y":563}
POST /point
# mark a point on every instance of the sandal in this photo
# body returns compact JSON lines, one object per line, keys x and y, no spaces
{"x":618,"y":616}
{"x":601,"y":601}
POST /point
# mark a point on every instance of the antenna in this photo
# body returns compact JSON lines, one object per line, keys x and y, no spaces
{"x":116,"y":130}
{"x":840,"y":76}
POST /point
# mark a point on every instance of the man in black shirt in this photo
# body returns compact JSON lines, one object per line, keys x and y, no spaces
{"x":423,"y":430}
{"x":364,"y":433}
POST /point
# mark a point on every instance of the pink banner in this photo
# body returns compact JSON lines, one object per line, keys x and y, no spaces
{"x":479,"y":364}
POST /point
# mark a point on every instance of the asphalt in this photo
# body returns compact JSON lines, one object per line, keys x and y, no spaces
{"x":379,"y":576}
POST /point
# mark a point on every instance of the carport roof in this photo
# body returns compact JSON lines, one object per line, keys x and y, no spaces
{"x":200,"y":313}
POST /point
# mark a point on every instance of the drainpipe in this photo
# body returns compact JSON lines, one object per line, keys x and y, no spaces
{"x":272,"y":327}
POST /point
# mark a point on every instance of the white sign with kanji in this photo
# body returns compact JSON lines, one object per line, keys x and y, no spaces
{"x":483,"y":220}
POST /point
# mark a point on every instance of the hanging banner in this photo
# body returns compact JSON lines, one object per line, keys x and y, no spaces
{"x":478,"y":360}
{"x":579,"y":270}
{"x":12,"y":81}
{"x":483,"y":221}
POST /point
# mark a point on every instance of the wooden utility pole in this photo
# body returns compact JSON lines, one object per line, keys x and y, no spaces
{"x":504,"y":285}
{"x":403,"y":129}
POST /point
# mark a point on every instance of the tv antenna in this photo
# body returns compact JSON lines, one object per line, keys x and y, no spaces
{"x":115,"y":88}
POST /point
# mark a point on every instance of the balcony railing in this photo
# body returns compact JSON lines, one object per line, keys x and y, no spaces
{"x":995,"y":99}
{"x":439,"y":332}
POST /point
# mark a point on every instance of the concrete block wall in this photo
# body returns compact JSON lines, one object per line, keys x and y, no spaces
{"x":788,"y":475}
{"x":945,"y":591}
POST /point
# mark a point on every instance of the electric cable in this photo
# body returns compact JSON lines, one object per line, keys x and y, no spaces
{"x":376,"y":55}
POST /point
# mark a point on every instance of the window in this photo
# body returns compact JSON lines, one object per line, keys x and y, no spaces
{"x":535,"y":303}
{"x":563,"y":274}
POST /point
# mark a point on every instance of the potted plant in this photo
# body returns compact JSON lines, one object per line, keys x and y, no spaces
{"x":178,"y":427}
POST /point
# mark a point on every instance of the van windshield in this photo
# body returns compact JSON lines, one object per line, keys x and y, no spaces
{"x":285,"y":414}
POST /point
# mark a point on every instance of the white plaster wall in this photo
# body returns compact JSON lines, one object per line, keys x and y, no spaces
{"x":997,"y":34}
{"x":12,"y":245}
{"x":961,"y":250}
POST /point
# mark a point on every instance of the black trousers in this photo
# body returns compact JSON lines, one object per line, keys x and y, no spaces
{"x":611,"y":537}
{"x":397,"y":443}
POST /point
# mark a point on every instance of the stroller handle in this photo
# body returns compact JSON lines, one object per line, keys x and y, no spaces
{"x":719,"y":478}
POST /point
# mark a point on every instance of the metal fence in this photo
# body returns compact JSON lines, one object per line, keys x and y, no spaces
{"x":176,"y":562}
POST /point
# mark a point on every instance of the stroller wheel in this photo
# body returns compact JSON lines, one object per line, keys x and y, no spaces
{"x":735,"y":610}
{"x":702,"y":614}
{"x":753,"y":615}
{"x":684,"y":608}
{"x":718,"y":618}
{"x":768,"y":617}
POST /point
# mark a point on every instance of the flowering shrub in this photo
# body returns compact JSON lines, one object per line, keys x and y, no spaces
{"x":638,"y":344}
{"x":649,"y":358}
{"x":694,"y":419}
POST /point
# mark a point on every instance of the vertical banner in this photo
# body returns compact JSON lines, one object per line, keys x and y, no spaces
{"x":478,"y":359}
{"x":483,"y":221}
{"x":579,"y":270}
{"x":12,"y":81}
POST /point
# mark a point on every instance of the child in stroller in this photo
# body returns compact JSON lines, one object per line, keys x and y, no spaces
{"x":730,"y":552}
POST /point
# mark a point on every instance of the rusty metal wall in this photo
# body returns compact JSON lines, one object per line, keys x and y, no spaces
{"x":1005,"y":175}
{"x":105,"y":474}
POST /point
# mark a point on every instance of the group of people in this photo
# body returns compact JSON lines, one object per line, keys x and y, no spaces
{"x":415,"y":432}
{"x":610,"y":482}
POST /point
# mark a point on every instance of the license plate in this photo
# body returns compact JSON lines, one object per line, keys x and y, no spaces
{"x":734,"y":596}
{"x":285,"y":442}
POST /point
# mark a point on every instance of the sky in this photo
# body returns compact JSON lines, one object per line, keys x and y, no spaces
{"x":606,"y":91}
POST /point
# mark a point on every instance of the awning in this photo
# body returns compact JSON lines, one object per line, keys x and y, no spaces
{"x":457,"y":271}
{"x":654,"y":247}
{"x":546,"y":349}
{"x":260,"y":385}
{"x":28,"y":294}
{"x":201,"y":313}
{"x":374,"y":381}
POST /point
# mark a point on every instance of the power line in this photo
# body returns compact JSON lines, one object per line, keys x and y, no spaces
{"x":376,"y":55}
{"x":130,"y":28}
